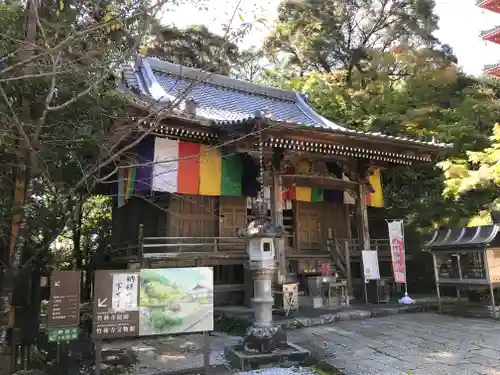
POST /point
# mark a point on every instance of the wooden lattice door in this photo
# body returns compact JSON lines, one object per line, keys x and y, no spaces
{"x":309,"y":226}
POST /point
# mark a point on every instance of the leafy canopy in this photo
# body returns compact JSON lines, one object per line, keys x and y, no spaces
{"x":479,"y":171}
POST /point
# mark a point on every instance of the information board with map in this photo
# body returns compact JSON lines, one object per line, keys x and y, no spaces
{"x":152,"y":302}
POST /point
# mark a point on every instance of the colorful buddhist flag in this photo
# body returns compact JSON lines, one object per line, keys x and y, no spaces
{"x":126,"y":182}
{"x":190,"y":168}
{"x":375,"y":199}
{"x":210,"y":171}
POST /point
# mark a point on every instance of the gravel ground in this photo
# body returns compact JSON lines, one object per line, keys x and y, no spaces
{"x":174,"y":353}
{"x":279,"y":371}
{"x":184,"y":352}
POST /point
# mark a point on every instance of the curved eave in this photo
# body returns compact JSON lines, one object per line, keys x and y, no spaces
{"x":429,"y":145}
{"x":492,"y":35}
{"x":461,"y":238}
{"x":492,"y":70}
{"x":491,"y":5}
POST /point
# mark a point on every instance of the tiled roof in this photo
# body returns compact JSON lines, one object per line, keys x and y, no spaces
{"x":224,"y":100}
{"x":220,"y":98}
{"x":219,"y":103}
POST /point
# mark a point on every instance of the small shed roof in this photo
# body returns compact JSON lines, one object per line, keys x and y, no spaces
{"x":463,"y":238}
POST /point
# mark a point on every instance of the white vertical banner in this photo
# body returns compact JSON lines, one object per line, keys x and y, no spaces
{"x":396,"y":238}
{"x":125,"y":292}
{"x":370,"y":265}
{"x":166,"y":165}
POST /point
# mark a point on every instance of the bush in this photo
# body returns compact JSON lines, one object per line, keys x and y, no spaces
{"x":162,"y":320}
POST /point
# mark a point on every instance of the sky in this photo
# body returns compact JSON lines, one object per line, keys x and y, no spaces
{"x":461,"y":21}
{"x":188,"y":278}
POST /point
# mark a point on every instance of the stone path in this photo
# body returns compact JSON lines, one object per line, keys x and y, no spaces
{"x":416,"y":344}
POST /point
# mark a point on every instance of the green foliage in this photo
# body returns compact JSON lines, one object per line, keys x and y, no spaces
{"x":195,"y":47}
{"x":328,"y":35}
{"x":407,"y":92}
{"x":157,"y":290}
{"x":94,"y":232}
{"x":479,"y":171}
{"x":162,"y":320}
{"x":61,"y":99}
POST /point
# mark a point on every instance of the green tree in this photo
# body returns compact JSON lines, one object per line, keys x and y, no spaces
{"x":59,"y":104}
{"x":478,"y":172}
{"x":195,"y":47}
{"x":407,"y":92}
{"x":324,"y":36}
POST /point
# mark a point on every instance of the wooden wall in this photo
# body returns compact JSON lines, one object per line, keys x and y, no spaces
{"x":313,"y":220}
{"x":150,"y":212}
{"x":192,"y":216}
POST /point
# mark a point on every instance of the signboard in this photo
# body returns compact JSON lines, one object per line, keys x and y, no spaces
{"x":396,"y":239}
{"x":63,"y":334}
{"x":153,"y":302}
{"x":370,"y":265}
{"x":64,"y":304}
{"x":115,"y":309}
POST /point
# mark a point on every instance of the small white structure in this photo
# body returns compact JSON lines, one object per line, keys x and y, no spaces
{"x":260,"y":249}
{"x":200,"y":291}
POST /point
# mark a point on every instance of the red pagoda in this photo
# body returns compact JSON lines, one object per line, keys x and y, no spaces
{"x":492,"y":35}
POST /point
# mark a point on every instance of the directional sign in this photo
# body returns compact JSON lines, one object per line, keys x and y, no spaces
{"x":116,"y":300}
{"x":63,"y":334}
{"x":64,"y":304}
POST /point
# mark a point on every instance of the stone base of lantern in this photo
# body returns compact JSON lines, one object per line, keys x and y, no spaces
{"x":264,"y":339}
{"x":265,"y":343}
{"x":285,"y":354}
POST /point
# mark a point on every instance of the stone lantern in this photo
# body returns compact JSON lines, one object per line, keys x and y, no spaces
{"x":263,"y":336}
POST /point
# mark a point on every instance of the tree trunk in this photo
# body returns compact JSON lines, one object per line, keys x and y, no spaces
{"x":21,"y":207}
{"x":77,"y":246}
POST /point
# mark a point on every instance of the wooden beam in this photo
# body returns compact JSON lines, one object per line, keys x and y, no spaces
{"x":277,"y":211}
{"x":324,"y":182}
{"x":362,"y":216}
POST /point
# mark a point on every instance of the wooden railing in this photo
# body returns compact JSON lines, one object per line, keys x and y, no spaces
{"x":382,"y":246}
{"x":172,"y":247}
{"x":225,"y":247}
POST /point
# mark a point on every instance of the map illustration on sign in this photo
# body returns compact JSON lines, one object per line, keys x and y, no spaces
{"x":175,"y":300}
{"x":125,"y":292}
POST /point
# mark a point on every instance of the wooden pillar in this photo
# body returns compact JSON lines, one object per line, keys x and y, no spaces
{"x":277,"y":212}
{"x":362,"y":219}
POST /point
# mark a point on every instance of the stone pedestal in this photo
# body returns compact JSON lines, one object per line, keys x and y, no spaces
{"x":265,"y":342}
{"x":263,"y":336}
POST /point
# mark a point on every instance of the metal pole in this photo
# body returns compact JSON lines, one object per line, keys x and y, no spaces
{"x":436,"y":277}
{"x":98,"y":357}
{"x":363,"y":277}
{"x":206,"y":352}
{"x":459,"y":275}
{"x":492,"y":296}
{"x":404,"y":248}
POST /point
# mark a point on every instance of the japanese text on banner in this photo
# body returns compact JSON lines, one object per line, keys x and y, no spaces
{"x":397,"y":251}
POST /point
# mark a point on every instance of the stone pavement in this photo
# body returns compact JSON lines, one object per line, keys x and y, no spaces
{"x":309,"y":317}
{"x":416,"y":344}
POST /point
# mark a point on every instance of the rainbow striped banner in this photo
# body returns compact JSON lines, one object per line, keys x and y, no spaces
{"x":126,"y":182}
